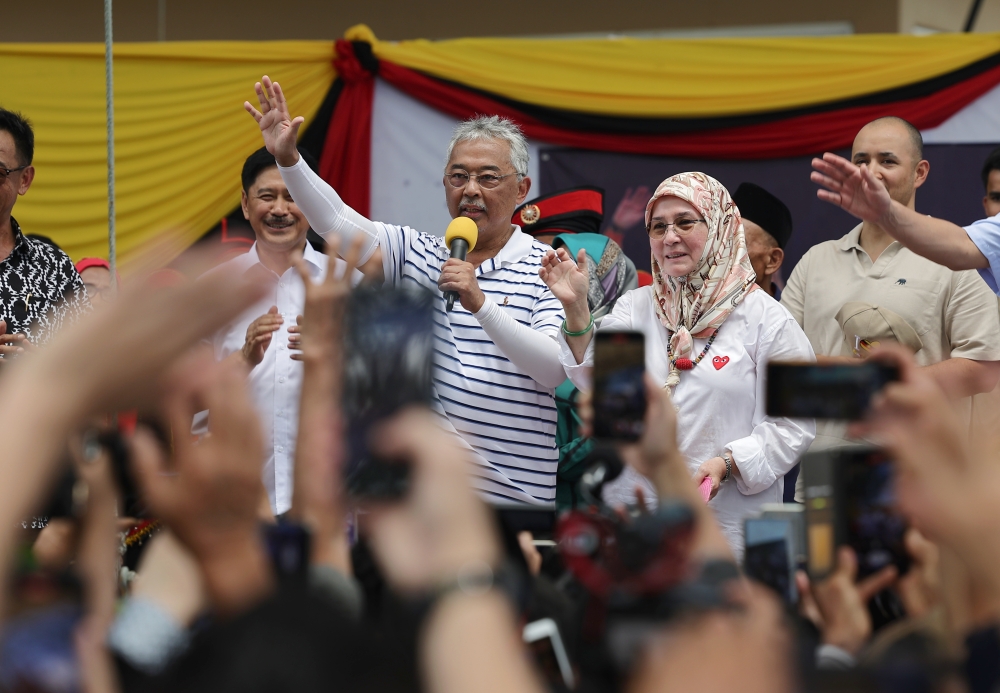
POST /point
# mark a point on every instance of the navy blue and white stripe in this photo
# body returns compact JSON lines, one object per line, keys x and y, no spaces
{"x":500,"y":413}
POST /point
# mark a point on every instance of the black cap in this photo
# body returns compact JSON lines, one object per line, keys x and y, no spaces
{"x":765,"y":210}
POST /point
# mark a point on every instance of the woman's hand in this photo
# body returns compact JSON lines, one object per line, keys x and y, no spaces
{"x":715,"y":469}
{"x":568,"y":281}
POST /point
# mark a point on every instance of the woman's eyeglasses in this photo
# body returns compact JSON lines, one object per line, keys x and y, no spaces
{"x":682,"y":227}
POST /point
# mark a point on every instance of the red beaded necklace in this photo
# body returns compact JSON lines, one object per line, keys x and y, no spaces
{"x":688,"y":364}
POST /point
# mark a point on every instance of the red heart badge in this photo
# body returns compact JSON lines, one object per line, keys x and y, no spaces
{"x":720,"y":361}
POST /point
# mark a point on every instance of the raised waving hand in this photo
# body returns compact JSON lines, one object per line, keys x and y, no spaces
{"x":279,"y":129}
{"x":567,"y":279}
{"x":855,"y":189}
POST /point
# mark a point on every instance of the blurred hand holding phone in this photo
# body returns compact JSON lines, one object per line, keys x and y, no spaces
{"x":850,"y":501}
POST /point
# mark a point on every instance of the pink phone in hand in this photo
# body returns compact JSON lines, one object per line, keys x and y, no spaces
{"x":706,"y":488}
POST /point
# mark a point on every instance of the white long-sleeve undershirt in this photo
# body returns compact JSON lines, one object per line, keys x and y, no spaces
{"x":534,"y":352}
{"x":325,"y":211}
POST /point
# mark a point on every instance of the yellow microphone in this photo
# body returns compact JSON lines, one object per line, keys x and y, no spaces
{"x":461,"y":237}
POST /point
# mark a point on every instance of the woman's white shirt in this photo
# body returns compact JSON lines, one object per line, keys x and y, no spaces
{"x":720,"y":402}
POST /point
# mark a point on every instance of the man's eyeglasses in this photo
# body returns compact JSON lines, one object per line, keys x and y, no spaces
{"x":5,"y":172}
{"x":459,"y":179}
{"x":682,"y":227}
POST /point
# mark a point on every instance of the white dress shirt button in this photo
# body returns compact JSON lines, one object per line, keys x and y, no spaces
{"x":281,"y":379}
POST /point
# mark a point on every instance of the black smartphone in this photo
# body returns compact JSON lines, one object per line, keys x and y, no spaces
{"x":619,"y":393}
{"x":388,"y":365}
{"x":812,"y":391}
{"x":850,"y":500}
{"x":769,"y":556}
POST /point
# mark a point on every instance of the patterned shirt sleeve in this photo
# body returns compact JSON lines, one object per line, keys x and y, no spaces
{"x":75,"y":302}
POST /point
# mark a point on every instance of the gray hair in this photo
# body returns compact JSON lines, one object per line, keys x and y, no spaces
{"x":495,"y":128}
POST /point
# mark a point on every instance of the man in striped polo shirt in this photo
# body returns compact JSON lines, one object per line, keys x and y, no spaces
{"x":497,"y":360}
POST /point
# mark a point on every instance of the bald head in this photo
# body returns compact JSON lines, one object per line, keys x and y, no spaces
{"x":893,"y":151}
{"x":905,"y":126}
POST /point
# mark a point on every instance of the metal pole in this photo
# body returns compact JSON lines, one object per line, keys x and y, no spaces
{"x":161,"y":20}
{"x":110,"y":102}
{"x":970,"y":22}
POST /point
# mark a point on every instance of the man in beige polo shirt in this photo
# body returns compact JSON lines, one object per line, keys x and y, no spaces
{"x":953,"y":313}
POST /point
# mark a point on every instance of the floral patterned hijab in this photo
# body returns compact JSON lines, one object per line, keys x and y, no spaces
{"x":695,"y":306}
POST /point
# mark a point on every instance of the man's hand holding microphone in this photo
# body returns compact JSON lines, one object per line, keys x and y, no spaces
{"x":458,"y":277}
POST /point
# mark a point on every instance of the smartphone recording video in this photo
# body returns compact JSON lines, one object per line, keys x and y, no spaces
{"x":388,"y":364}
{"x":850,"y":500}
{"x":619,"y":393}
{"x":811,"y":391}
{"x":769,"y":556}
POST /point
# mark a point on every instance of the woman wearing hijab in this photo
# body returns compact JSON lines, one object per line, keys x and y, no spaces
{"x":709,"y":333}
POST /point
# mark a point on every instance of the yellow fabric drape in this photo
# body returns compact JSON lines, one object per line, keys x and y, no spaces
{"x":686,"y":78}
{"x":181,"y":133}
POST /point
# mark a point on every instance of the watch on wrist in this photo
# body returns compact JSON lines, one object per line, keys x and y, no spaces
{"x":478,"y":577}
{"x":728,"y":459}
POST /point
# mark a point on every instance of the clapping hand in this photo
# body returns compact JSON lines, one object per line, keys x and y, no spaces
{"x":854,"y":189}
{"x":259,"y":335}
{"x":279,"y":129}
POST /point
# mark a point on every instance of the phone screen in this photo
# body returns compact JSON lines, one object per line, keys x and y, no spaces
{"x":874,"y":527}
{"x":769,"y":557}
{"x":812,"y":391}
{"x":388,"y":364}
{"x":619,"y":393}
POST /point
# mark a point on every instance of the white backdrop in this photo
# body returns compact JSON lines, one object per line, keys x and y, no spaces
{"x":409,"y":141}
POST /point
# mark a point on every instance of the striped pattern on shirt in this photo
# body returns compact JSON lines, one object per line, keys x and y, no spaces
{"x":500,"y":413}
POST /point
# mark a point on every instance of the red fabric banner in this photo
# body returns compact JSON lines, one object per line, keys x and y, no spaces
{"x":346,"y":159}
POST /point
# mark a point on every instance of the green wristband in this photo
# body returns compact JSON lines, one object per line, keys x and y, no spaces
{"x":582,"y":332}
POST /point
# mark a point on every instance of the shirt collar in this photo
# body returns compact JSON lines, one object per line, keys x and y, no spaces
{"x":315,"y":259}
{"x":852,"y":241}
{"x":516,"y":248}
{"x":22,"y":244}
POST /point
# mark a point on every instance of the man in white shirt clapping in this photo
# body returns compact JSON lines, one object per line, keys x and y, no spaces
{"x":260,"y":335}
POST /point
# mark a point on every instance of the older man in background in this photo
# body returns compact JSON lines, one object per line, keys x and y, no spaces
{"x":767,"y":226}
